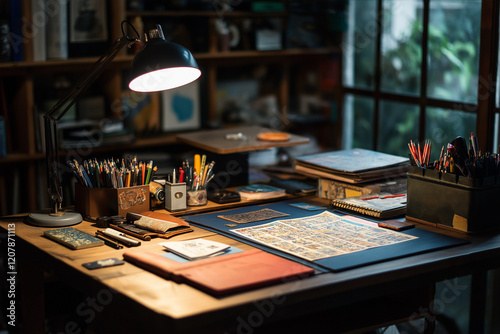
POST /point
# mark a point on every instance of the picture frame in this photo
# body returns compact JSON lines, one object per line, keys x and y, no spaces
{"x":88,"y":21}
{"x":180,"y":108}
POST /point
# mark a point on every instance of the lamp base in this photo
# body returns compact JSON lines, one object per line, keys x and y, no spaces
{"x":45,"y":219}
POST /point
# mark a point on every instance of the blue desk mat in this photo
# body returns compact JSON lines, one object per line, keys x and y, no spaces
{"x":427,"y":241}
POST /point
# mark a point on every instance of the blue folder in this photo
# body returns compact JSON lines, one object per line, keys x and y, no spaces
{"x":427,"y":241}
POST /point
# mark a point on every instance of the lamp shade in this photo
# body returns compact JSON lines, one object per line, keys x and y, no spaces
{"x":162,"y":65}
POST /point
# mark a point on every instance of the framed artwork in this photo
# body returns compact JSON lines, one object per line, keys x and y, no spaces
{"x":180,"y":108}
{"x":88,"y":22}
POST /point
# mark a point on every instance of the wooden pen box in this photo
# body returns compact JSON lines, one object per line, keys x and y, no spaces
{"x":97,"y":202}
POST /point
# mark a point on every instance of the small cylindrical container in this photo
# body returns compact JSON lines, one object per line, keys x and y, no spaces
{"x":197,"y":197}
{"x":175,"y":196}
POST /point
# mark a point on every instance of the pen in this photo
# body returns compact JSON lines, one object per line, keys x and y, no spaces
{"x":108,"y":242}
{"x":120,"y":237}
{"x":369,"y":198}
{"x":382,"y":197}
{"x":393,"y":196}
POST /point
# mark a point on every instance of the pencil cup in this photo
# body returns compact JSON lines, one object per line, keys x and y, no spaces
{"x":175,"y":196}
{"x":98,"y":202}
{"x":197,"y":197}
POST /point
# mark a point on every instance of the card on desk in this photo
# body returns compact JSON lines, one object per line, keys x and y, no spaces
{"x":73,"y":238}
{"x":103,"y":263}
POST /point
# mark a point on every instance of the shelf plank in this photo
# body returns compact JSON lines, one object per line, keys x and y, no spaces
{"x":204,"y":13}
{"x":33,"y":67}
{"x":161,"y":140}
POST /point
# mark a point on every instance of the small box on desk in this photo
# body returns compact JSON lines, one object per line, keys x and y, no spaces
{"x":97,"y":202}
{"x":447,"y":200}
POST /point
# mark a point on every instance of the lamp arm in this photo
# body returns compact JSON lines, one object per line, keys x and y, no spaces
{"x":52,"y":117}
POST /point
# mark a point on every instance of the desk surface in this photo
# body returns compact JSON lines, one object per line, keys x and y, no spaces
{"x":215,"y":140}
{"x":155,"y":303}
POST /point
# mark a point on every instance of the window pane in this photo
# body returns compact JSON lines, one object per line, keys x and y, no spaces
{"x":398,"y":124}
{"x":358,"y":47}
{"x":442,"y":126}
{"x":453,"y":58}
{"x":357,"y":130}
{"x":401,"y":46}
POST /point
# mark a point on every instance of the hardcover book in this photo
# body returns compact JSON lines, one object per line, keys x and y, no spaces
{"x":73,"y":238}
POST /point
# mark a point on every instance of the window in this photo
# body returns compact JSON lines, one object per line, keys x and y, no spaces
{"x":419,"y":69}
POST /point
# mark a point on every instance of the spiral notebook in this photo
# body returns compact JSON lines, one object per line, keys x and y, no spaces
{"x":377,"y":205}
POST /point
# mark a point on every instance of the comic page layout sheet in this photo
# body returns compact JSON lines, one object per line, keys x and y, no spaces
{"x":322,"y":236}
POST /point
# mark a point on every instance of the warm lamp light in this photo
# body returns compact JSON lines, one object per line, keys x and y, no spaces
{"x":160,"y":65}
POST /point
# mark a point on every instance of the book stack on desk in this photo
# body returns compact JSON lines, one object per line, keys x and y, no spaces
{"x":352,"y":166}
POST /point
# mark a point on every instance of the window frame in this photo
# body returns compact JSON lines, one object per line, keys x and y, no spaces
{"x":485,"y":108}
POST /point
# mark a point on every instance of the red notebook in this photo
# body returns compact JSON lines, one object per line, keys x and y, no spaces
{"x":225,"y":274}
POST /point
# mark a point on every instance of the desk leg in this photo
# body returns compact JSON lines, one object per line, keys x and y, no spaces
{"x":31,"y":281}
{"x":477,"y":311}
{"x":430,"y":318}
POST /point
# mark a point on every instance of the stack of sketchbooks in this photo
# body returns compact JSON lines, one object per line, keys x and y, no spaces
{"x":381,"y":205}
{"x":260,"y":191}
{"x":352,"y":166}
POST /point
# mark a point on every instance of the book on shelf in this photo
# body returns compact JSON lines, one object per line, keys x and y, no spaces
{"x":260,"y":191}
{"x":222,"y":275}
{"x":196,"y":248}
{"x":352,"y":166}
{"x":56,"y":37}
{"x":382,"y":205}
{"x":38,"y":25}
{"x":332,"y":189}
{"x":16,"y":30}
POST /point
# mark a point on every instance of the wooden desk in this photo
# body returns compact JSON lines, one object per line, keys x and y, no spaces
{"x":128,"y":299}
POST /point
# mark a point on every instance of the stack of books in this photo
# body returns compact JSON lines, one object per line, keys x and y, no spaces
{"x":352,"y":166}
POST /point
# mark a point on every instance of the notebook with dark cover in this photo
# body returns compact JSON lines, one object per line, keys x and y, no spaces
{"x":225,"y":274}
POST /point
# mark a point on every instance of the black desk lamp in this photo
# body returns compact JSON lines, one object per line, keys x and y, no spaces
{"x":160,"y":65}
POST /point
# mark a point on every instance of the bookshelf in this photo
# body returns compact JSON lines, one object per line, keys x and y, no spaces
{"x":22,"y":171}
